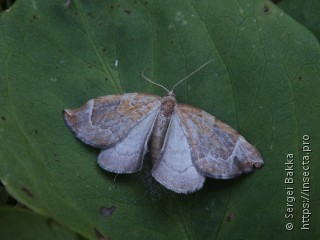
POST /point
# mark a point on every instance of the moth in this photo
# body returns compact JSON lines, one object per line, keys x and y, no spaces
{"x":187,"y":143}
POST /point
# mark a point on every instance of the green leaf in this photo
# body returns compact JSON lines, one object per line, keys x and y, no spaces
{"x":305,"y":12}
{"x":264,"y":82}
{"x":20,"y":224}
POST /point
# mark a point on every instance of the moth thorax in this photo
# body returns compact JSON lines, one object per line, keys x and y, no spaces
{"x":161,"y":126}
{"x":167,"y":105}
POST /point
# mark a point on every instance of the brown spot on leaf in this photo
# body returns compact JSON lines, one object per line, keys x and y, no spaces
{"x":230,"y":217}
{"x":266,"y":9}
{"x":34,"y":17}
{"x":27,"y":191}
{"x":99,"y":235}
{"x":107,"y":211}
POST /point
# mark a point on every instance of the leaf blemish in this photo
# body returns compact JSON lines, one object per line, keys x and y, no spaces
{"x":266,"y":9}
{"x":34,"y":17}
{"x":27,"y":191}
{"x":230,"y":217}
{"x":127,"y":11}
{"x":55,"y":156}
{"x":107,"y":211}
{"x":99,"y":235}
{"x":3,"y":118}
{"x":179,"y":16}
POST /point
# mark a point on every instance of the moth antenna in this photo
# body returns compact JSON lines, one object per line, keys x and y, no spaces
{"x":195,"y":71}
{"x":157,"y":84}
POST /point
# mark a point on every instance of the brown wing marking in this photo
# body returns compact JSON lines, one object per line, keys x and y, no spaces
{"x":105,"y":120}
{"x":217,"y":150}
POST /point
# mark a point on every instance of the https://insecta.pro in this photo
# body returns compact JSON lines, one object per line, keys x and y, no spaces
{"x":187,"y":144}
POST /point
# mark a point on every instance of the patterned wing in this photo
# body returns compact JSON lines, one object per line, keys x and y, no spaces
{"x":120,"y":125}
{"x":217,"y":150}
{"x":105,"y":120}
{"x":174,"y":169}
{"x":126,"y":155}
